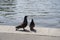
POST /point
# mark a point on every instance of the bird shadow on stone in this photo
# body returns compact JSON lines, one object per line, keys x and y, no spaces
{"x":24,"y":30}
{"x":34,"y":30}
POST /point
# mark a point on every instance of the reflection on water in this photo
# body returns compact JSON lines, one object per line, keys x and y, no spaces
{"x":45,"y":13}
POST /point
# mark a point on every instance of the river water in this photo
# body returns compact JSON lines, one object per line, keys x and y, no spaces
{"x":46,"y":13}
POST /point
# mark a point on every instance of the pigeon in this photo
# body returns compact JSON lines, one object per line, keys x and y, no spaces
{"x":23,"y":25}
{"x":32,"y":25}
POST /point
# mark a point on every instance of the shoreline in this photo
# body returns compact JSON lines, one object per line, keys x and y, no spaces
{"x":14,"y":36}
{"x":40,"y":30}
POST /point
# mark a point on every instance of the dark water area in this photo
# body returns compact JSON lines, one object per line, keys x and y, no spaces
{"x":46,"y":13}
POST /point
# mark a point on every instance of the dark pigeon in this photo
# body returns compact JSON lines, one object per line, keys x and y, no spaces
{"x":23,"y":25}
{"x":32,"y":25}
